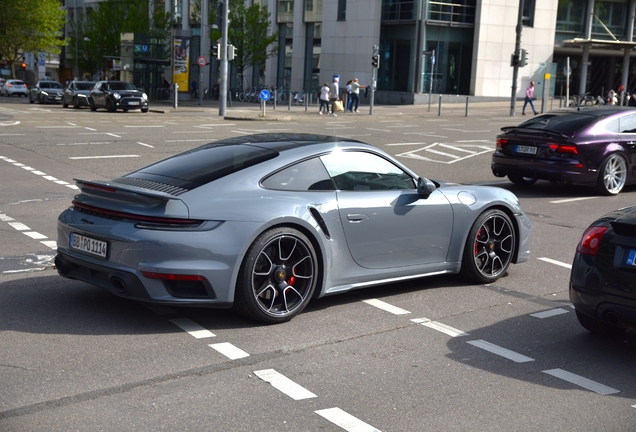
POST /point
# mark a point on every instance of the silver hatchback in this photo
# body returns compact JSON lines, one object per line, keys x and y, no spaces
{"x":14,"y":87}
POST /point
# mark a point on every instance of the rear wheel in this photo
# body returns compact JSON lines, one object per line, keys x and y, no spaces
{"x":64,"y":104}
{"x":75,"y":103}
{"x":92,"y":104}
{"x":277,"y":277}
{"x":521,"y":181}
{"x":612,"y":175}
{"x":489,"y":247}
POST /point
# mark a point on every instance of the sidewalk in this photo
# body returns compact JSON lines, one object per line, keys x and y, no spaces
{"x":250,"y":111}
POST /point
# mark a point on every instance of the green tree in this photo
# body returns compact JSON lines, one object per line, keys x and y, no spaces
{"x":248,"y":32}
{"x":30,"y":26}
{"x":99,"y":33}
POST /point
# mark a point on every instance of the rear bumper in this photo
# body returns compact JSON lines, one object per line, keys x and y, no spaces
{"x":502,"y":165}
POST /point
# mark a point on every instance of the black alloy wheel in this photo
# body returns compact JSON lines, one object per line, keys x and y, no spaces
{"x":277,"y":277}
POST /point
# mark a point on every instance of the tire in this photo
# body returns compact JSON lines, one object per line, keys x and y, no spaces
{"x":277,"y":277}
{"x":75,"y":104}
{"x":612,"y":175}
{"x":31,"y":99}
{"x":109,"y":106}
{"x":597,"y":326}
{"x":92,"y":105}
{"x":489,"y":247}
{"x":144,"y":110}
{"x":64,"y":104}
{"x":521,"y":181}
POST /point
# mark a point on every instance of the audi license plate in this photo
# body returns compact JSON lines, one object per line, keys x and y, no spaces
{"x":631,"y":258}
{"x":526,"y":149}
{"x":133,"y":103}
{"x":88,"y":245}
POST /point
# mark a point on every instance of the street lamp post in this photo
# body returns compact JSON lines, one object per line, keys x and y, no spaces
{"x":76,"y":43}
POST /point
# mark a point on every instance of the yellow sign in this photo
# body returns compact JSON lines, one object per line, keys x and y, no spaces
{"x":546,"y":76}
{"x":181,"y":72}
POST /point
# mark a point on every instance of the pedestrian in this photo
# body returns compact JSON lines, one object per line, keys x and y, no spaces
{"x":529,"y":99}
{"x":348,"y":95}
{"x":632,"y":100}
{"x":194,"y":88}
{"x":355,"y":95}
{"x":334,"y":95}
{"x":612,"y":99}
{"x":324,"y":98}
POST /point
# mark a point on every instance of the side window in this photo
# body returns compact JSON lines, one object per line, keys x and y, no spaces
{"x":627,"y":124}
{"x":361,"y":171}
{"x":309,"y":175}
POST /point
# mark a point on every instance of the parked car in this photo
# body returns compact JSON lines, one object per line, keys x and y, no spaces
{"x":46,"y":91}
{"x":266,"y":222}
{"x":114,"y":95}
{"x":14,"y":87}
{"x":76,"y":93}
{"x":591,"y":146}
{"x":603,"y":277}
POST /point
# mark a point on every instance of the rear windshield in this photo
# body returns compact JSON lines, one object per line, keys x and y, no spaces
{"x":565,"y":123}
{"x":84,"y":85}
{"x":16,"y":82}
{"x":204,"y":164}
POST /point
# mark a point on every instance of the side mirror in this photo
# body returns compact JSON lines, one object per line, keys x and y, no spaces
{"x":425,"y":187}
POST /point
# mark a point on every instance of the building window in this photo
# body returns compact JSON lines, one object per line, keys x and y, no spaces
{"x":342,"y":10}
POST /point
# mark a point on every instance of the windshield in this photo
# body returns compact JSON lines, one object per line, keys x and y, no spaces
{"x":120,"y":86}
{"x":566,"y":123}
{"x":51,"y":84}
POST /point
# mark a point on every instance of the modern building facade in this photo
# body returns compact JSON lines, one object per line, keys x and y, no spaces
{"x":452,"y":47}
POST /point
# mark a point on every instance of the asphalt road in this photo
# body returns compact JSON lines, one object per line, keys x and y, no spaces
{"x":431,"y":354}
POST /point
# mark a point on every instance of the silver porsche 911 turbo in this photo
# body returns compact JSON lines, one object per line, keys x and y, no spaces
{"x":263,"y":223}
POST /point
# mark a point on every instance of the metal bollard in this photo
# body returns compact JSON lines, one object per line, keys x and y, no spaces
{"x":289,"y":98}
{"x":175,"y":102}
{"x":306,"y":102}
{"x":466,"y":106}
{"x":439,"y":107}
{"x":274,"y":99}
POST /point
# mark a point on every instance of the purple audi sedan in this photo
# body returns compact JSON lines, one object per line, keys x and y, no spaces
{"x":590,"y":146}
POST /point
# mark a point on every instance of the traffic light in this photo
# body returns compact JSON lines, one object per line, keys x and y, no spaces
{"x":375,"y":61}
{"x":23,"y":66}
{"x":514,"y":60}
{"x":231,"y":52}
{"x":216,"y":51}
{"x":523,"y":58}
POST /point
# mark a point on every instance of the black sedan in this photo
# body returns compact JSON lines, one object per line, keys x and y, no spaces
{"x":46,"y":91}
{"x":76,"y":93}
{"x":590,"y":146}
{"x":114,"y":95}
{"x":603,"y":277}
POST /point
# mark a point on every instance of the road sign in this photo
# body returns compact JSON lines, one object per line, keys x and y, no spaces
{"x":202,"y":61}
{"x":264,"y":95}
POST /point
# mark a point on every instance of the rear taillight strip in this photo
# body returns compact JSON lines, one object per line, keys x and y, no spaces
{"x":141,"y":218}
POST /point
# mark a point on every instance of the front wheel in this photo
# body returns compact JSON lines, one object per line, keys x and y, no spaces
{"x":144,"y":110}
{"x":277,"y":277}
{"x":613,"y":174}
{"x":489,"y":247}
{"x":92,"y":105}
{"x":110,"y":106}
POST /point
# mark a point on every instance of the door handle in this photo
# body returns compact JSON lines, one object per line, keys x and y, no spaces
{"x":357,"y":217}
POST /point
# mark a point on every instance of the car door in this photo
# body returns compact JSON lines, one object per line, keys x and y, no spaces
{"x":627,"y":136}
{"x":386,"y":223}
{"x":99,"y":95}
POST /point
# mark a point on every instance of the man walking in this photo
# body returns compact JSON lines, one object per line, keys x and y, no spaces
{"x":334,"y":94}
{"x":355,"y":95}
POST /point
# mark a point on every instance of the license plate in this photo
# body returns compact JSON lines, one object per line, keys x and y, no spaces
{"x":88,"y":245}
{"x":58,"y":98}
{"x":631,"y":258}
{"x":133,"y":103}
{"x":526,"y":149}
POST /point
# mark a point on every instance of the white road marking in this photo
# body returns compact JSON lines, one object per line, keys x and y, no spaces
{"x":472,"y":150}
{"x":5,"y":218}
{"x":555,"y":262}
{"x":112,"y":134}
{"x":40,"y":173}
{"x":284,"y":384}
{"x":10,"y":124}
{"x":503,"y":352}
{"x":386,"y":307}
{"x":549,"y":313}
{"x":453,"y":332}
{"x":18,"y":164}
{"x":229,"y":350}
{"x":48,"y":177}
{"x":50,"y":243}
{"x":84,"y":143}
{"x":572,"y":200}
{"x":406,"y":144}
{"x":581,"y":381}
{"x":19,"y":226}
{"x":192,"y":140}
{"x":103,"y":157}
{"x":28,"y":168}
{"x":35,"y":235}
{"x":192,"y":328}
{"x":90,"y":129}
{"x":61,"y":182}
{"x":144,"y":126}
{"x":147,"y":145}
{"x":345,"y":420}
